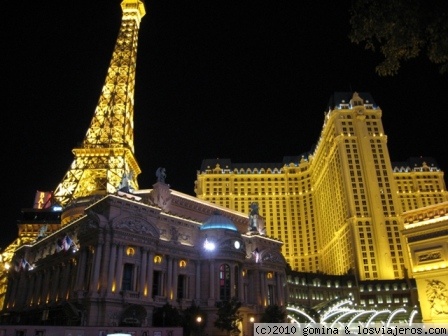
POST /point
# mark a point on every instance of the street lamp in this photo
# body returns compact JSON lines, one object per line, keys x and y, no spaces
{"x":208,"y":245}
{"x":198,"y":321}
{"x":251,"y":320}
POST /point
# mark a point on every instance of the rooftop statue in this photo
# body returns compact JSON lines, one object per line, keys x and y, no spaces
{"x":161,"y":175}
{"x":253,"y":217}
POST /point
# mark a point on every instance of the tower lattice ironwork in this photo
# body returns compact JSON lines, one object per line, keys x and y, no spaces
{"x":105,"y":161}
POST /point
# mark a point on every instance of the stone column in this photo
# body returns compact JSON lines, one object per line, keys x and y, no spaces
{"x":30,"y":289}
{"x":175,"y":279}
{"x":46,"y":285}
{"x":143,"y":268}
{"x":278,"y":285}
{"x":119,"y":268}
{"x":150,"y":274}
{"x":282,"y":288}
{"x":257,"y":287}
{"x":105,"y":266}
{"x":212,"y":282}
{"x":94,"y":280}
{"x":21,"y":289}
{"x":261,"y":289}
{"x":169,"y":280}
{"x":56,"y":282}
{"x":81,"y":269}
{"x":241,"y":285}
{"x":12,"y":292}
{"x":111,"y":285}
{"x":197,"y":280}
{"x":65,"y":284}
{"x":37,"y":289}
{"x":232,"y":280}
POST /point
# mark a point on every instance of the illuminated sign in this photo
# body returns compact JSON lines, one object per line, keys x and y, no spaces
{"x":42,"y":200}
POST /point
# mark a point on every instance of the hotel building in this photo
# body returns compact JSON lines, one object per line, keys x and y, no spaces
{"x":337,"y":208}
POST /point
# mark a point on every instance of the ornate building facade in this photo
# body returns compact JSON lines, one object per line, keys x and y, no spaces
{"x":131,"y":253}
{"x":338,"y":207}
{"x":104,"y":253}
{"x":427,"y":236}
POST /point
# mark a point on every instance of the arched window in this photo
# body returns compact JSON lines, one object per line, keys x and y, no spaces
{"x":224,"y":282}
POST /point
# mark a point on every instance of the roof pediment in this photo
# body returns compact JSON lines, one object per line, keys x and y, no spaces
{"x":136,"y":225}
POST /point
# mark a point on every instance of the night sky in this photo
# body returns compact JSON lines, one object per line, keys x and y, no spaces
{"x":245,"y":80}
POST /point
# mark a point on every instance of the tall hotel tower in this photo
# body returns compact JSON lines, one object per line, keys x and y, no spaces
{"x":337,"y":208}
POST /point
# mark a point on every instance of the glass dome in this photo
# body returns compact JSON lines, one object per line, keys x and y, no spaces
{"x":218,"y":221}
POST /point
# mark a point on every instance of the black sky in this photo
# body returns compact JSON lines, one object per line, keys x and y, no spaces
{"x":246,"y":80}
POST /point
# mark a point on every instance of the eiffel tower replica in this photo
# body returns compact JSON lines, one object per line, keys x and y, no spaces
{"x":105,"y":161}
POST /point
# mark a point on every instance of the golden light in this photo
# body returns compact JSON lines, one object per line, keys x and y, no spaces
{"x":130,"y":251}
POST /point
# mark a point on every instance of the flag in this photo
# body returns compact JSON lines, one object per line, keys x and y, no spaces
{"x":66,"y":243}
{"x":22,"y":264}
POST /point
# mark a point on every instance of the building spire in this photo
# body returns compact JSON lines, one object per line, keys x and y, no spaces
{"x":107,"y":151}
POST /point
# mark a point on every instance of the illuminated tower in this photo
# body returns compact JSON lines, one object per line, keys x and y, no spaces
{"x":106,"y":156}
{"x":337,"y":208}
{"x":357,"y":207}
{"x":105,"y":162}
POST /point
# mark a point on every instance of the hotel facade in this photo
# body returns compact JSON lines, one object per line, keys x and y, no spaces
{"x":338,"y":207}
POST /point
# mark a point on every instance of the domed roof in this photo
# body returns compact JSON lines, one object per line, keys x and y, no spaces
{"x":218,"y":221}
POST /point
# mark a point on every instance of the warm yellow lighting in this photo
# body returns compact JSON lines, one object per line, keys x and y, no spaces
{"x":182,"y":263}
{"x":157,"y":259}
{"x":130,"y":251}
{"x":252,"y":319}
{"x":323,"y":179}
